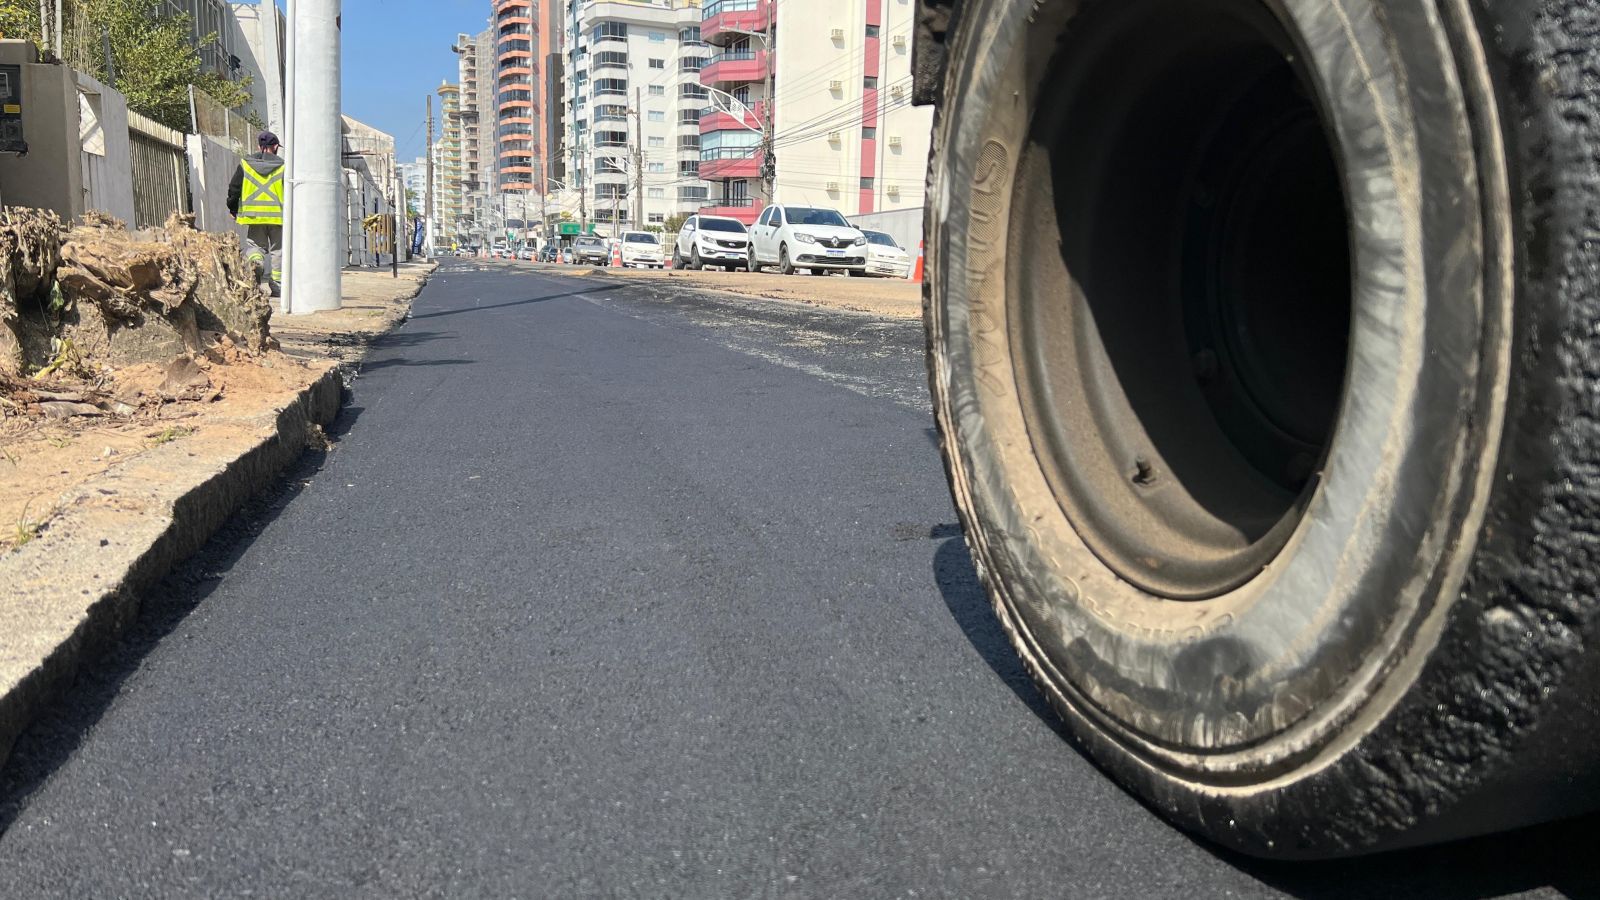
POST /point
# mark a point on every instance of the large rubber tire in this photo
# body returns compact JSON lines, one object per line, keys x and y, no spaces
{"x":1298,"y":542}
{"x":694,"y":260}
{"x":784,"y":264}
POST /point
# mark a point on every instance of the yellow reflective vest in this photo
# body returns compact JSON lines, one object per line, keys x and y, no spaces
{"x":260,"y":196}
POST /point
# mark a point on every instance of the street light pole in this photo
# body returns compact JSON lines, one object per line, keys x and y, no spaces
{"x":315,"y":177}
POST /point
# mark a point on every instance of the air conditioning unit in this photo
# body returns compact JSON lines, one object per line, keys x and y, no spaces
{"x":893,"y":190}
{"x":838,"y":34}
{"x":833,"y":137}
{"x":897,"y":91}
{"x":833,"y":187}
{"x":899,"y":42}
{"x":894,"y":143}
{"x":835,"y":86}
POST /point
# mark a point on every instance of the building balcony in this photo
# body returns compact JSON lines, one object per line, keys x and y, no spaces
{"x":716,"y":120}
{"x":745,"y":209}
{"x":724,"y":20}
{"x":735,"y":67}
{"x":733,"y":162}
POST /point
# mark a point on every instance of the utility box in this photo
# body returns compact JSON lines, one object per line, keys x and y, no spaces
{"x":12,"y":139}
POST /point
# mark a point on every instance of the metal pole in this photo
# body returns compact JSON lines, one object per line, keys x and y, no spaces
{"x":60,"y":51}
{"x":315,"y":169}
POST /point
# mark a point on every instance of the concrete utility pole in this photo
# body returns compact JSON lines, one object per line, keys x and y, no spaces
{"x":638,"y":159}
{"x":313,"y":236}
{"x":769,"y":151}
{"x":427,"y":214}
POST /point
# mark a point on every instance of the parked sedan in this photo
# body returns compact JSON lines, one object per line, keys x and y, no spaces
{"x":591,"y":250}
{"x":885,"y":257}
{"x":641,"y":248}
{"x":804,"y":237}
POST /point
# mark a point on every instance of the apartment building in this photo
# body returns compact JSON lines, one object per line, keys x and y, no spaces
{"x":479,"y":141}
{"x":632,"y":105}
{"x":516,"y":96}
{"x":834,"y":76}
{"x":447,"y":172}
{"x":551,"y":43}
{"x":208,"y":17}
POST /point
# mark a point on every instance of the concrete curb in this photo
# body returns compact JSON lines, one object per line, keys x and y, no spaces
{"x":126,"y":530}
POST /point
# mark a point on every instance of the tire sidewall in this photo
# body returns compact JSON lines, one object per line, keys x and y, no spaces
{"x":1428,"y":262}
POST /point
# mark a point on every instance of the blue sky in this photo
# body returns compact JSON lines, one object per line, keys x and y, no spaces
{"x":395,"y":53}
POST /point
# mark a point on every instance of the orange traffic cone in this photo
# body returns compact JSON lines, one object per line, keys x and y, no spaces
{"x":616,"y":256}
{"x":916,"y":274}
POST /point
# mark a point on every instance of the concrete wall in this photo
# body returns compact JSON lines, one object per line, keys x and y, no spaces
{"x":904,"y":225}
{"x":50,"y":176}
{"x":211,"y":167}
{"x":104,"y":149}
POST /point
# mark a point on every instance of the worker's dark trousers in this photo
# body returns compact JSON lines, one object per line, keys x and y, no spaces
{"x":267,"y":252}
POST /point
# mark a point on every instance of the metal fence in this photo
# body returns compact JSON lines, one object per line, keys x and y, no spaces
{"x":160,"y":176}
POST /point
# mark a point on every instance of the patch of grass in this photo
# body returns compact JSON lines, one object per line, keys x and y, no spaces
{"x":169,"y":434}
{"x":25,"y":530}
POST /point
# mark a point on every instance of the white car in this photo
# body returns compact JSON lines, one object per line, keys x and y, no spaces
{"x":805,"y":237}
{"x":641,"y":248}
{"x":885,"y":257}
{"x":711,"y":241}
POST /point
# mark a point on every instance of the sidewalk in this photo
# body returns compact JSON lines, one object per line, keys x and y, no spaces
{"x":95,"y":505}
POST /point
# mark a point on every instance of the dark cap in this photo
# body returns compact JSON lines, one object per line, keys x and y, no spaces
{"x":266,"y":139}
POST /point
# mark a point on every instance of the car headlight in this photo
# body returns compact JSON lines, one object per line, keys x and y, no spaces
{"x":859,"y":242}
{"x":804,"y":238}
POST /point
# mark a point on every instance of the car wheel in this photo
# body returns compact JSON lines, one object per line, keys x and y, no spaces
{"x":750,"y":261}
{"x":694,"y":261}
{"x":784,"y":265}
{"x":1310,"y":579}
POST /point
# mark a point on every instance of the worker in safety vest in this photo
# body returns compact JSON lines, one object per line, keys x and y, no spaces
{"x":255,"y":198}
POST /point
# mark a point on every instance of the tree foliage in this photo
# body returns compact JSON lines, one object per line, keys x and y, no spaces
{"x":152,"y":60}
{"x":674,"y":223}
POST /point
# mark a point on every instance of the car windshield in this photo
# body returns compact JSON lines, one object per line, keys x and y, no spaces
{"x":641,"y":239}
{"x":730,"y":225}
{"x":881,"y":239}
{"x":588,"y":242}
{"x":801,"y":215}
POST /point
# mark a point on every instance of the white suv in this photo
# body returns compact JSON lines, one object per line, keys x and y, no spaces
{"x":711,"y":241}
{"x":805,"y":237}
{"x":641,"y":248}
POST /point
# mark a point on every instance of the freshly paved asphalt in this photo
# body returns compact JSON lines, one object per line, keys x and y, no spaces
{"x":606,"y":592}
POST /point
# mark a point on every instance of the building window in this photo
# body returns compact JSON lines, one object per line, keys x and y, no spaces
{"x":693,"y":91}
{"x":872,"y":31}
{"x":870,"y":83}
{"x":688,"y":116}
{"x":658,"y":142}
{"x":868,"y":184}
{"x":657,"y":115}
{"x":693,"y":193}
{"x":658,"y":63}
{"x":608,"y":30}
{"x":689,"y":35}
{"x":657,"y":193}
{"x":658,"y":167}
{"x":869,"y":134}
{"x":658,"y":90}
{"x":611,"y":139}
{"x":689,"y":167}
{"x":611,"y":58}
{"x":611,"y":86}
{"x":658,"y":37}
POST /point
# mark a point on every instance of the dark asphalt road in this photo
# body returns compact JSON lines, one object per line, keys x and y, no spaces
{"x":615,"y":594}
